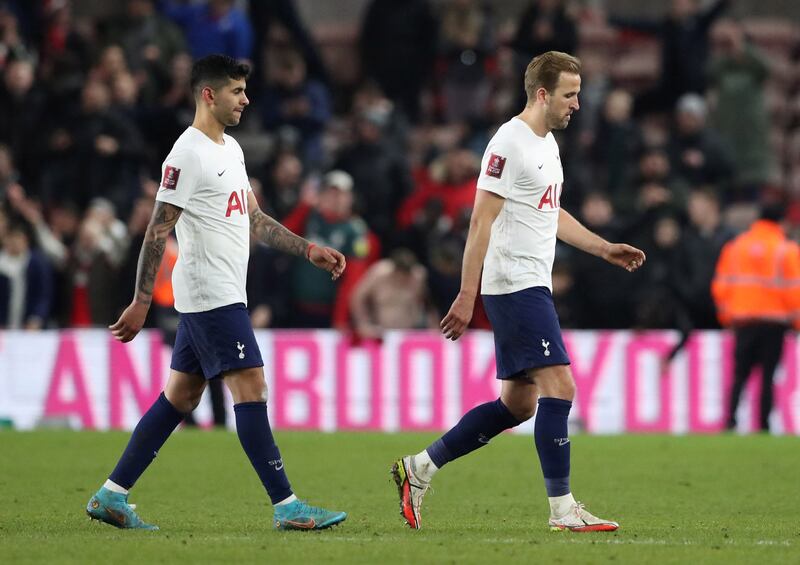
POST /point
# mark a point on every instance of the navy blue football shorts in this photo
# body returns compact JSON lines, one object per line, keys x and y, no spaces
{"x":526,"y":331}
{"x":214,"y":342}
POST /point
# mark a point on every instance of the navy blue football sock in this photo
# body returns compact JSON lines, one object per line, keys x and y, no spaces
{"x":255,"y":435}
{"x":552,"y":443}
{"x":149,"y":435}
{"x":474,"y":430}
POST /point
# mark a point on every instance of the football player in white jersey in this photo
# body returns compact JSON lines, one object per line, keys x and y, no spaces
{"x":515,"y":222}
{"x":205,"y":195}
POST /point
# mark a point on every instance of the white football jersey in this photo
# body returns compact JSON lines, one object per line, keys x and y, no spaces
{"x":525,"y":169}
{"x":209,"y":181}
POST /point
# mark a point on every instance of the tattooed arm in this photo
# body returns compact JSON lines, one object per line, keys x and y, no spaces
{"x":155,"y":240}
{"x":269,"y":231}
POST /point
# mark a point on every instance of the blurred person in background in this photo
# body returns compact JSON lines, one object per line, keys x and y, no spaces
{"x":740,"y":116}
{"x":544,"y":25}
{"x":212,"y":26}
{"x":653,"y":184}
{"x":614,"y":151}
{"x":698,"y":155}
{"x":52,"y":246}
{"x":284,"y":184}
{"x":327,"y":219}
{"x":93,"y":269}
{"x":174,"y":111}
{"x":381,"y":174}
{"x":566,"y":296}
{"x":756,"y":288}
{"x":684,"y":32}
{"x":656,"y":301}
{"x":700,"y":246}
{"x":392,"y":295}
{"x":449,"y":180}
{"x":291,"y":99}
{"x":369,"y":99}
{"x":604,"y":291}
{"x":13,"y":46}
{"x":466,"y":65}
{"x":96,"y":151}
{"x":22,"y":111}
{"x":149,"y":40}
{"x":398,"y":49}
{"x":269,"y":293}
{"x":26,"y":280}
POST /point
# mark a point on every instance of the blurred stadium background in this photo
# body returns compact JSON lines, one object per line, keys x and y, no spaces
{"x":365,"y":130}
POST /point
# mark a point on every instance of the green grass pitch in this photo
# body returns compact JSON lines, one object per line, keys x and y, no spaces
{"x":711,"y":499}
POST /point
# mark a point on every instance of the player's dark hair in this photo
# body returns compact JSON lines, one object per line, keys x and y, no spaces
{"x":215,"y":71}
{"x":544,"y":71}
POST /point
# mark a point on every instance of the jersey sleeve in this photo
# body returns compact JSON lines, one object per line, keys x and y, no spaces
{"x":180,"y":177}
{"x":500,"y":167}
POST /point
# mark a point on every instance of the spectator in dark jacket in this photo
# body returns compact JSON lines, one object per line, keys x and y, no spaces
{"x":398,"y":49}
{"x":700,"y":247}
{"x":26,"y":282}
{"x":381,"y":175}
{"x":293,"y":100}
{"x":545,"y":25}
{"x":697,"y":153}
{"x":684,"y":34}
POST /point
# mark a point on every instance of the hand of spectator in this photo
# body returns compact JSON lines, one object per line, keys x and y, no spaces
{"x":329,"y":259}
{"x":130,"y":322}
{"x":458,"y":317}
{"x":106,"y":145}
{"x":25,"y":207}
{"x":625,"y":256}
{"x":261,"y":316}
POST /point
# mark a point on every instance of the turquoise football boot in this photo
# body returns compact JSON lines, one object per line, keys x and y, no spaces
{"x":299,"y":515}
{"x":113,"y":508}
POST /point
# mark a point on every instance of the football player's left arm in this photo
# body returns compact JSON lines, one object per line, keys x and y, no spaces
{"x":270,"y":232}
{"x":571,"y":231}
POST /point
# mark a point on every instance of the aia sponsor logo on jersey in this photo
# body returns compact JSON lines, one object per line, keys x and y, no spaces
{"x":236,"y":203}
{"x":551,"y":198}
{"x":495,"y":166}
{"x":171,"y":175}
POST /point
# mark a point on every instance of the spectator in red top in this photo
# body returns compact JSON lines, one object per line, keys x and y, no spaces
{"x":449,"y":179}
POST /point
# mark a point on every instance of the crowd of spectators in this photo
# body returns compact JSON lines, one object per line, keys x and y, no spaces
{"x":381,"y":165}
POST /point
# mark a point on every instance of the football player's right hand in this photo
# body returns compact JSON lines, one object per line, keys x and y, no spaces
{"x":455,"y":323}
{"x":130,"y":322}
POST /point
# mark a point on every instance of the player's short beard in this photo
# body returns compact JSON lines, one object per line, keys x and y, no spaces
{"x":555,"y":121}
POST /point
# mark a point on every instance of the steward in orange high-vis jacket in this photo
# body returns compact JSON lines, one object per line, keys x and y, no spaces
{"x":756,"y":289}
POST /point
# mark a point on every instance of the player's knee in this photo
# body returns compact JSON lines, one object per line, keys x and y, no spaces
{"x":522,"y":409}
{"x":524,"y":412}
{"x":194,"y":400}
{"x":247,"y":386}
{"x":183,"y":401}
{"x":567,"y":389}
